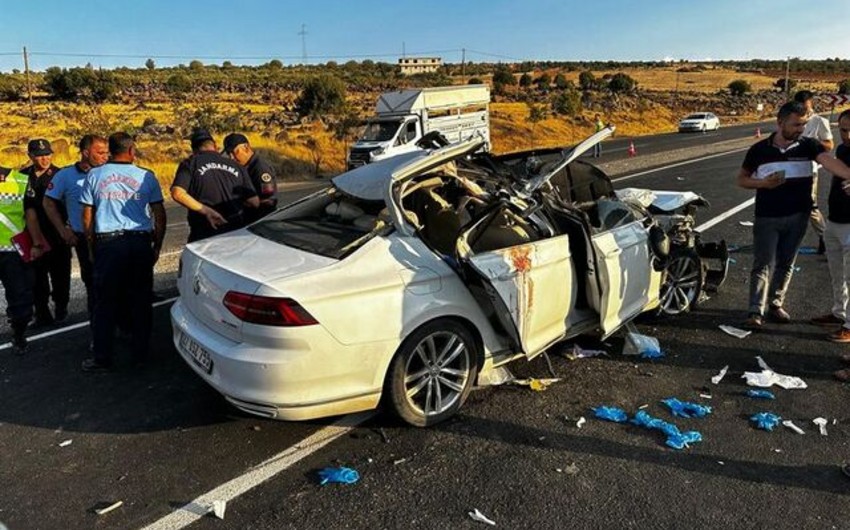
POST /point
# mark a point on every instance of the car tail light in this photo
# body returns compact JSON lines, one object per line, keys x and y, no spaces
{"x":267,"y":310}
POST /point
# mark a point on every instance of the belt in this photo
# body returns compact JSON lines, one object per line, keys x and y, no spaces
{"x":102,"y":236}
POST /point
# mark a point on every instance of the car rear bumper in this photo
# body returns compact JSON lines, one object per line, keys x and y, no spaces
{"x":292,"y":380}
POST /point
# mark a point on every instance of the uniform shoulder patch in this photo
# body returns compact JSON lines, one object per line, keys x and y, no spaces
{"x":266,"y":177}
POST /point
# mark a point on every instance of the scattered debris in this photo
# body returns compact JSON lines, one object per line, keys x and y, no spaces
{"x":644,"y":345}
{"x":675,"y":438}
{"x":733,"y":261}
{"x":720,"y":375}
{"x":481,"y":518}
{"x":777,"y":450}
{"x":495,"y":376}
{"x":218,"y":508}
{"x":617,"y":415}
{"x":256,"y":428}
{"x":685,"y":409}
{"x":571,"y":469}
{"x":705,"y":396}
{"x":581,"y":421}
{"x":338,"y":475}
{"x":577,"y":352}
{"x":835,"y":421}
{"x":721,"y":462}
{"x":821,"y":423}
{"x":538,"y":385}
{"x":645,"y":405}
{"x":767,"y":377}
{"x":797,"y":268}
{"x":745,"y":223}
{"x":760,"y":394}
{"x":384,"y":436}
{"x":735,"y":332}
{"x":807,"y":251}
{"x":106,"y":507}
{"x":399,"y":461}
{"x":66,"y":443}
{"x":765,"y":421}
{"x":790,"y":425}
{"x":680,"y":178}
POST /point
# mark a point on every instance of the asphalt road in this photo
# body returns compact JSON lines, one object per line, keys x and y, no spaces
{"x":158,"y":439}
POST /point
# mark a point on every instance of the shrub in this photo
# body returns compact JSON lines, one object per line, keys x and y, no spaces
{"x":739,"y":87}
{"x":178,"y":84}
{"x":544,"y":82}
{"x":322,"y":94}
{"x":196,"y":65}
{"x":80,"y":84}
{"x":567,"y":103}
{"x":561,"y":82}
{"x":586,"y":80}
{"x":11,"y":88}
{"x":475,"y":81}
{"x":150,"y":64}
{"x":844,"y":87}
{"x":621,"y":82}
{"x":503,"y":76}
{"x":525,"y":80}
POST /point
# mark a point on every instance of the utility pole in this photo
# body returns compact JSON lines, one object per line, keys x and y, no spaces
{"x":463,"y":65}
{"x":787,"y":70}
{"x":29,"y":85}
{"x":303,"y":34}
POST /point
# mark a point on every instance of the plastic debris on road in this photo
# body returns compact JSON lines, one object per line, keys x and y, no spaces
{"x":790,"y":424}
{"x":217,"y":509}
{"x":614,"y":414}
{"x":767,"y":378}
{"x":481,"y":518}
{"x":66,"y":443}
{"x":538,"y":385}
{"x":338,"y":475}
{"x":644,"y":345}
{"x":686,"y":409}
{"x":745,"y":223}
{"x":577,"y":352}
{"x":765,"y":421}
{"x":720,"y":375}
{"x":821,"y":423}
{"x":735,"y":332}
{"x":760,"y":394}
{"x":581,"y":421}
{"x":675,"y":438}
{"x":106,"y":507}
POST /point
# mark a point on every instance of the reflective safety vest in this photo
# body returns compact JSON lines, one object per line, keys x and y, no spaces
{"x":13,"y":189}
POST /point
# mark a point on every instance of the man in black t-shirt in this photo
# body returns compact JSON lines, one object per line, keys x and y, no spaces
{"x":261,"y":172}
{"x":779,"y":168}
{"x":836,"y":237}
{"x":214,"y":189}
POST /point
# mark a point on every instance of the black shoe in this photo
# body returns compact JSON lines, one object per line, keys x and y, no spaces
{"x":43,"y":320}
{"x":19,"y":344}
{"x":61,"y":314}
{"x":778,"y":315}
{"x":92,"y":366}
{"x":821,"y":247}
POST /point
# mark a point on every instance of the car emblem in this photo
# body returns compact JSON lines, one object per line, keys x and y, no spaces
{"x":196,"y":284}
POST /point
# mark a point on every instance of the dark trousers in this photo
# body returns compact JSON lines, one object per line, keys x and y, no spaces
{"x":123,"y":276}
{"x":86,"y":271}
{"x":52,"y":277}
{"x":17,"y":279}
{"x":776,"y":241}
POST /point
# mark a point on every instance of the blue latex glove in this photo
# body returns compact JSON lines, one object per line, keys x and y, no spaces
{"x":651,"y":354}
{"x":760,"y":394}
{"x":681,"y":441}
{"x":339,"y":475}
{"x":675,"y":438}
{"x":614,"y":414}
{"x":686,"y":409}
{"x":765,"y":420}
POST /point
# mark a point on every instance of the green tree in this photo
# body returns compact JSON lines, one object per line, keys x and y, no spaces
{"x":324,"y":94}
{"x":80,"y":84}
{"x":561,"y":81}
{"x":567,"y":102}
{"x":11,"y":88}
{"x":525,"y":80}
{"x":844,"y":87}
{"x":544,"y":82}
{"x":536,"y":114}
{"x":178,"y":84}
{"x":739,"y":87}
{"x":503,"y":76}
{"x":150,"y":65}
{"x":196,"y":65}
{"x":474,"y":81}
{"x":275,"y":64}
{"x":621,"y":82}
{"x":586,"y":80}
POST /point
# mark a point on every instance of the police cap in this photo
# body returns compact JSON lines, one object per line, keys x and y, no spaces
{"x":232,"y":141}
{"x":39,"y":147}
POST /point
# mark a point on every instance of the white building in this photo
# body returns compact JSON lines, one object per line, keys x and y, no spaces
{"x":419,"y":65}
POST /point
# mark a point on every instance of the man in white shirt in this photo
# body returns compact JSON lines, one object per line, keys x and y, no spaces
{"x":817,"y":127}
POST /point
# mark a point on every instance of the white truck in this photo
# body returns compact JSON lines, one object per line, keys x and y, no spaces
{"x":403,"y":117}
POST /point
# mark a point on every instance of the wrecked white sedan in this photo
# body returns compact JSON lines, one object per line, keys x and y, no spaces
{"x":407,"y":278}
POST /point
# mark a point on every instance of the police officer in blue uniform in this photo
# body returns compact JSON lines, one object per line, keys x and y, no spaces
{"x":53,"y":270}
{"x":124,"y":222}
{"x":261,"y":172}
{"x":214,"y":189}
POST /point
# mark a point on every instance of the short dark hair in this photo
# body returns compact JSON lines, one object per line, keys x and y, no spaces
{"x":792,"y":107}
{"x":87,"y":141}
{"x":844,"y":114}
{"x":120,"y":143}
{"x":804,"y":96}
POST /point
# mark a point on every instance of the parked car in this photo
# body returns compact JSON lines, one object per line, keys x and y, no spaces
{"x":409,"y":277}
{"x":699,"y":122}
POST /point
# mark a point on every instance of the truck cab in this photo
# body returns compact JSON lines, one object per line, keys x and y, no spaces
{"x":384,"y":137}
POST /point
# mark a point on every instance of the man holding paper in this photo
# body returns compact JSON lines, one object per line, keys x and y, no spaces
{"x":779,"y":168}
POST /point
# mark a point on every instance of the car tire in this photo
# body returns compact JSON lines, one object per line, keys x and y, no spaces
{"x":684,"y":277}
{"x":432,"y":373}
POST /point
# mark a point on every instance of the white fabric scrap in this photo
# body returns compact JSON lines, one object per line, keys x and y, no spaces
{"x":767,"y":378}
{"x":66,"y":443}
{"x":735,"y":332}
{"x":481,"y":518}
{"x":218,"y":508}
{"x":790,"y":424}
{"x":720,"y":375}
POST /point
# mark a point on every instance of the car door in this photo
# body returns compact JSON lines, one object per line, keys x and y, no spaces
{"x":627,"y":282}
{"x":528,"y":287}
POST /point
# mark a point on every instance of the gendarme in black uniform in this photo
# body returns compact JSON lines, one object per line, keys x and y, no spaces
{"x":263,"y":178}
{"x":795,"y":195}
{"x":839,"y":201}
{"x":217,"y":182}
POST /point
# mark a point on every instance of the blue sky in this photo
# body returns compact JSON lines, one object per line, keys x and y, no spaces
{"x":255,"y":31}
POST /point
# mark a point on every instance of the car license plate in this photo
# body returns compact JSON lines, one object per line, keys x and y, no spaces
{"x":197,"y":352}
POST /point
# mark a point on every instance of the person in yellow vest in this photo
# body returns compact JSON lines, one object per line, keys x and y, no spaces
{"x":17,"y":213}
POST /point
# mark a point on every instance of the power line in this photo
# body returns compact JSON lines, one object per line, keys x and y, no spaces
{"x":236,"y":57}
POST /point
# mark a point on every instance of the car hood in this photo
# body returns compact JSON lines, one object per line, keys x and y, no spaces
{"x":251,"y":256}
{"x":693,"y":121}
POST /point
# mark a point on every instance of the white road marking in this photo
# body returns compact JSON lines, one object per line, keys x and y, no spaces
{"x":686,"y":162}
{"x":72,"y":327}
{"x":191,"y":512}
{"x":725,"y":215}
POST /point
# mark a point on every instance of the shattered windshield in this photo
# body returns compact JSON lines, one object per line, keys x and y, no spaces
{"x":695,"y":117}
{"x":380,"y":131}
